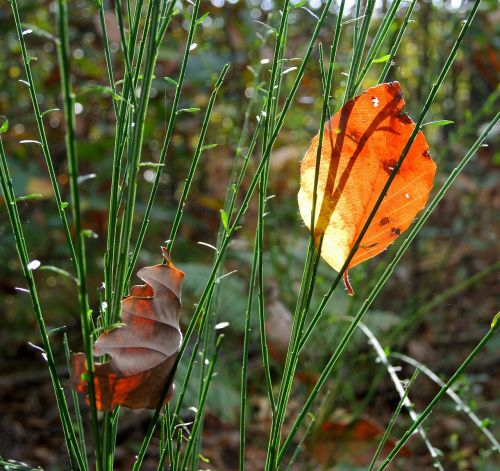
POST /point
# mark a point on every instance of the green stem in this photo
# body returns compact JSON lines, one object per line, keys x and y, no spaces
{"x":246,"y":199}
{"x":201,"y":403}
{"x":378,"y":40}
{"x":380,"y":283}
{"x":69,"y":434}
{"x":70,"y":141}
{"x":397,"y":42}
{"x":135,"y":156}
{"x":312,"y":259}
{"x":428,"y":410}
{"x":244,"y":364}
{"x":168,"y":136}
{"x":359,"y":46}
{"x":107,"y":52}
{"x":454,"y":396}
{"x":43,"y":136}
{"x":416,"y":130}
{"x":194,"y":162}
{"x":392,"y":422}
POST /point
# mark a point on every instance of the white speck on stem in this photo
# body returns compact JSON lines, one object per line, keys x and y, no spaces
{"x":84,"y":178}
{"x":287,"y":71}
{"x":36,"y":347}
{"x":208,"y":245}
{"x":193,"y":46}
{"x":226,"y":274}
{"x":30,"y":141}
{"x":40,"y":349}
{"x":34,"y":264}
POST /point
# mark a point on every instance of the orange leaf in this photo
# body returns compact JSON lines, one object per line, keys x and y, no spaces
{"x":349,"y":441}
{"x":361,"y":146}
{"x":144,"y":350}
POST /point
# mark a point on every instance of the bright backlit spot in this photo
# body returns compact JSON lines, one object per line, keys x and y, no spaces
{"x":78,"y":108}
{"x":78,"y":53}
{"x":34,"y":264}
{"x":149,"y":176}
{"x":221,"y":325}
{"x":267,"y":5}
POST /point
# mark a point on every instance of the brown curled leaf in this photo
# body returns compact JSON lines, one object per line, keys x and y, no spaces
{"x":143,"y":351}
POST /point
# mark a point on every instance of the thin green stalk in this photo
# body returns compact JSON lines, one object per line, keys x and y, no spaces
{"x":268,"y":117}
{"x":359,"y":46}
{"x":201,"y":403}
{"x":418,"y":127}
{"x":63,"y":54}
{"x":195,"y":435}
{"x":121,"y":137}
{"x":380,"y":283}
{"x":428,"y":410}
{"x":168,"y":445}
{"x":244,"y":363}
{"x":135,"y":156}
{"x":246,"y":199}
{"x":135,"y":28}
{"x":299,"y":446}
{"x":71,"y":440}
{"x":168,"y":136}
{"x":461,"y":406}
{"x":127,"y":53}
{"x":231,"y":192}
{"x":392,"y":422}
{"x":17,"y":466}
{"x":178,"y":450}
{"x":229,"y":204}
{"x":310,"y":267}
{"x":191,"y":363}
{"x":194,"y":162}
{"x":43,"y":136}
{"x":107,"y":52}
{"x":378,"y":40}
{"x":400,"y":389}
{"x":201,"y":309}
{"x":397,"y":42}
{"x":273,"y":95}
{"x":76,"y":405}
{"x":226,"y":214}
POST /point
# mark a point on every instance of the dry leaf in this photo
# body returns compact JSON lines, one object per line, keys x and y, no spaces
{"x":361,"y":146}
{"x":349,"y":441}
{"x":144,"y":350}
